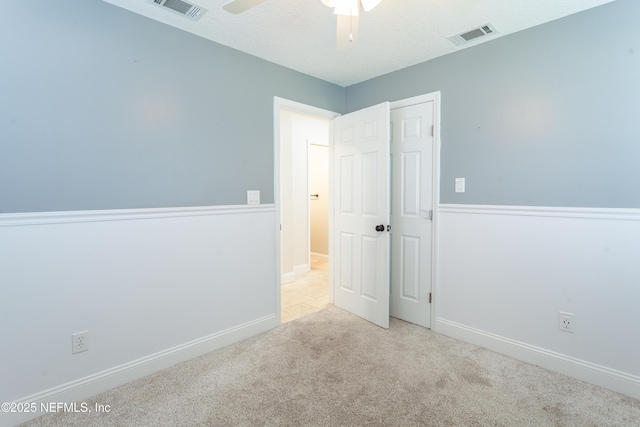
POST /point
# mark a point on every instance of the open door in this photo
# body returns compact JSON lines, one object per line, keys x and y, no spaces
{"x":361,"y":191}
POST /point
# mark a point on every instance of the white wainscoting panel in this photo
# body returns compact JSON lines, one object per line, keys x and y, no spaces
{"x":152,"y":287}
{"x":504,"y":273}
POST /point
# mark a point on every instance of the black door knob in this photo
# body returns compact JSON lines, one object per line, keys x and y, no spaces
{"x":380,"y":227}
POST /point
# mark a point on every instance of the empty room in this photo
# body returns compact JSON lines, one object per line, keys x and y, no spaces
{"x":483,"y":205}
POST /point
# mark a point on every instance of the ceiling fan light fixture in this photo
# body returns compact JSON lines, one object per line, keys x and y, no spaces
{"x":367,"y":5}
{"x":346,"y":7}
{"x":347,"y":13}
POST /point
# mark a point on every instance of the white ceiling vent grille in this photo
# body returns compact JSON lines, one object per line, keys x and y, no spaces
{"x":182,"y":7}
{"x":467,"y":36}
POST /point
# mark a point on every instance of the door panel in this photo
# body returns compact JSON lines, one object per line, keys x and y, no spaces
{"x":369,"y":184}
{"x":362,"y":194}
{"x":410,"y":269}
{"x":345,"y":181}
{"x":410,"y":186}
{"x":346,"y":261}
{"x":370,"y":249}
{"x":412,"y":147}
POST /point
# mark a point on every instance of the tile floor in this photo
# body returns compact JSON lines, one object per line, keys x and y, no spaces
{"x":309,"y":293}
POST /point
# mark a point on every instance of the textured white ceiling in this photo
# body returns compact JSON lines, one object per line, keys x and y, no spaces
{"x":300,"y":34}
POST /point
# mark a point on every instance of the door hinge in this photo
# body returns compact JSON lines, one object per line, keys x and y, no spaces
{"x":430,"y":214}
{"x":429,"y":297}
{"x":433,"y":130}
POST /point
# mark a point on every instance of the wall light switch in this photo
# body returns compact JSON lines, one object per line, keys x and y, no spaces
{"x":253,"y":197}
{"x":460,"y":185}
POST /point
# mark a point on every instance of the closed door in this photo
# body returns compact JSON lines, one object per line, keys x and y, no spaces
{"x":361,"y":189}
{"x":412,"y":201}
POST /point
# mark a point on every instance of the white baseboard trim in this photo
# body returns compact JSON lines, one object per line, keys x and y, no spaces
{"x":611,"y":379}
{"x":301,"y":269}
{"x":288,"y":278}
{"x":320,"y":255}
{"x":92,"y":385}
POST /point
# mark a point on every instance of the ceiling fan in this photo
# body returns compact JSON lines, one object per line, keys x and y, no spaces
{"x":347,"y":13}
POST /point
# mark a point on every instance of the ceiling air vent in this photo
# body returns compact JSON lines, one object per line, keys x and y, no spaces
{"x":467,"y":36}
{"x":184,"y":8}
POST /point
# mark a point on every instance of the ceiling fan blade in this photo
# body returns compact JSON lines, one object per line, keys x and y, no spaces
{"x":239,"y":6}
{"x":456,"y":6}
{"x":347,"y":34}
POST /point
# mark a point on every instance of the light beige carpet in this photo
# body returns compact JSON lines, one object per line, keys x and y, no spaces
{"x":334,"y":369}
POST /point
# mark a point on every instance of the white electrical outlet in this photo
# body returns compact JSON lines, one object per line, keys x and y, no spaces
{"x":565,"y":322}
{"x":460,"y":185}
{"x":80,"y":342}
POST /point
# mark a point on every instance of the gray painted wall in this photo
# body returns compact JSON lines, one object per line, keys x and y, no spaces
{"x":101,"y":108}
{"x":544,"y":117}
{"x":104,"y":109}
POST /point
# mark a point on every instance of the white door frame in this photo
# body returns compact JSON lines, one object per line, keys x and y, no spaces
{"x":297,"y":107}
{"x":279,"y":103}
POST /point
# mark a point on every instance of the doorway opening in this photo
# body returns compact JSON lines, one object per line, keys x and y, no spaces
{"x":309,"y":292}
{"x":302,"y":143}
{"x":359,"y":257}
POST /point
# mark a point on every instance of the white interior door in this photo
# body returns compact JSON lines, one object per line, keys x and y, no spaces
{"x":361,"y":189}
{"x":412,"y":165}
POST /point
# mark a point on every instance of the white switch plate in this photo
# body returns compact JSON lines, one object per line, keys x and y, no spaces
{"x":253,"y":197}
{"x":460,"y":185}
